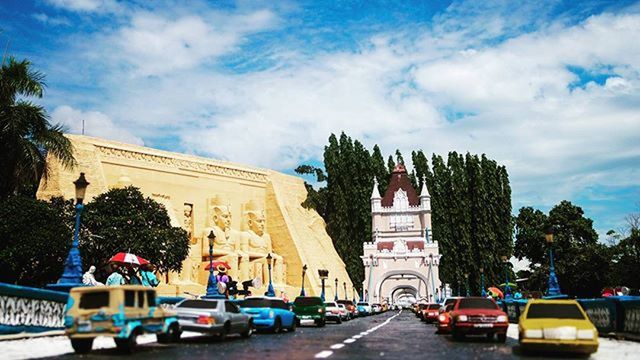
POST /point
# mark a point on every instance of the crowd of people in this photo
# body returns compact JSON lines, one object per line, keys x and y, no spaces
{"x":124,"y":274}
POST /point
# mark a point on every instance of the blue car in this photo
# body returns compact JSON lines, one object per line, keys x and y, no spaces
{"x":364,"y":309}
{"x":269,"y":313}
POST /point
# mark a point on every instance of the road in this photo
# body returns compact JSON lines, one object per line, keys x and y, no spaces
{"x":391,"y":335}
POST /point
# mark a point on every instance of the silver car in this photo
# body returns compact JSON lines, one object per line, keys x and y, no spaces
{"x":219,"y":317}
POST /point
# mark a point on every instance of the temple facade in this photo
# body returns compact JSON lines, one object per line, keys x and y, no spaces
{"x":252,"y":212}
{"x":401,"y":262}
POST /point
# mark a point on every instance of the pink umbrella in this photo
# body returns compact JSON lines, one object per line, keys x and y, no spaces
{"x":127,"y":258}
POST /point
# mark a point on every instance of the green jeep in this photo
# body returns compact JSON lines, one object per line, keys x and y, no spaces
{"x":310,"y":308}
{"x":121,"y":312}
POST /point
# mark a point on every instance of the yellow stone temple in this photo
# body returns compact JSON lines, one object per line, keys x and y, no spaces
{"x":252,"y":212}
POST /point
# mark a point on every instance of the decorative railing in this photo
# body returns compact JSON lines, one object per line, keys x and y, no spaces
{"x":30,"y":310}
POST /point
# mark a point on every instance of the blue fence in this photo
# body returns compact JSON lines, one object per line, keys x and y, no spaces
{"x":31,"y":310}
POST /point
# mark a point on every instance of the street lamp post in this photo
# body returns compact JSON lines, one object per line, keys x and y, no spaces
{"x":466,"y":283}
{"x":212,"y":283}
{"x":324,"y":274}
{"x":335,"y":298}
{"x":270,"y":290}
{"x":553,"y":288}
{"x":353,"y":292}
{"x":483,"y":292}
{"x":507,"y":287}
{"x":72,"y":274}
{"x":344,"y":284}
{"x":304,"y":270}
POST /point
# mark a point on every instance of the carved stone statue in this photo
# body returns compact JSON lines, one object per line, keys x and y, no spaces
{"x":188,"y":222}
{"x":226,"y":245}
{"x":256,"y":242}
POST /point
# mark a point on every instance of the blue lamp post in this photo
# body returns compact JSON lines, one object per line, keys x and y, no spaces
{"x":507,"y":287}
{"x":270,"y":290}
{"x":72,"y":274}
{"x":553,"y":286}
{"x":335,"y":298}
{"x":324,"y":274}
{"x":212,"y":284}
{"x":304,"y":270}
{"x":483,"y":292}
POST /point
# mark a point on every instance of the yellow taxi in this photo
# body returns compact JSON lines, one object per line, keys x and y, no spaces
{"x":556,"y":326}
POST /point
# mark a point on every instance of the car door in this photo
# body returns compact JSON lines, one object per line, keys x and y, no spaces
{"x":233,"y":313}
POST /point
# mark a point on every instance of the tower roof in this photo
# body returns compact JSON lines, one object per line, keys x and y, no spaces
{"x":425,"y":191}
{"x":375,"y":194}
{"x":400,"y":180}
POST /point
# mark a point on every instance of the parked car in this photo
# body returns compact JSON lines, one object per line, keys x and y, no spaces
{"x":219,"y":317}
{"x":344,"y":313}
{"x":478,"y":316}
{"x":269,"y":313}
{"x":310,"y":308}
{"x":449,"y":301}
{"x":556,"y":325}
{"x":364,"y":309}
{"x":351,"y":308}
{"x":333,"y":312}
{"x":121,"y":312}
{"x":430,"y":312}
{"x":444,"y":320}
{"x":376,"y":308}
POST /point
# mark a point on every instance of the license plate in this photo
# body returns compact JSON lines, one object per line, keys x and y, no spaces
{"x":84,"y":326}
{"x":483,"y":325}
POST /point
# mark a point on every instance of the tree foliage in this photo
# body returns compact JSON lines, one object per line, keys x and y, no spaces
{"x":26,"y":136}
{"x":36,"y":238}
{"x":124,"y":220}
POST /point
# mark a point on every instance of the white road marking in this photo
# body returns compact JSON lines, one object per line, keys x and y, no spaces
{"x":349,"y":341}
{"x":357,"y":336}
{"x":323,"y":354}
{"x":337,"y":346}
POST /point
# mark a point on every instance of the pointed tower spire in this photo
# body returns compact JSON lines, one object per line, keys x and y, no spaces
{"x":375,"y":194}
{"x":425,"y":191}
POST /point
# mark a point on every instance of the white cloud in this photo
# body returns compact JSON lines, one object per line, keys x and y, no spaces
{"x":95,"y":124}
{"x":86,"y":5}
{"x":51,"y":20}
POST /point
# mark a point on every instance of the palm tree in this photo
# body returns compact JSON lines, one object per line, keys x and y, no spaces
{"x":26,"y":136}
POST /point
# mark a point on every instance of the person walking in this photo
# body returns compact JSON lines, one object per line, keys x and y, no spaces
{"x":148,"y":276}
{"x":116,"y":277}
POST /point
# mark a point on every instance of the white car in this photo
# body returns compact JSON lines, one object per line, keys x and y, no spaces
{"x":344,"y":313}
{"x":333,"y":312}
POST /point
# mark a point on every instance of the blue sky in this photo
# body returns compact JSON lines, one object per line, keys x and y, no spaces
{"x":551,"y":88}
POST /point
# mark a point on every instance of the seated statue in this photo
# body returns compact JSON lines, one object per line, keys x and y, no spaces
{"x":226,"y":245}
{"x":256,"y":243}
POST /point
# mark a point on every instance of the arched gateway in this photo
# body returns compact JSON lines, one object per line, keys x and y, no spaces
{"x":402,"y":260}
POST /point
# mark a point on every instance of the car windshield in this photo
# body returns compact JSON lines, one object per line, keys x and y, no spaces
{"x":362,"y":304}
{"x":433,"y":307}
{"x":477,"y":303}
{"x":199,"y":304}
{"x":94,"y":300}
{"x":346,"y":302}
{"x":307,"y":301}
{"x":264,"y":303}
{"x":554,"y":311}
{"x":449,"y":301}
{"x":330,"y":304}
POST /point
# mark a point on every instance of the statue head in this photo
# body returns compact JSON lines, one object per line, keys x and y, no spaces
{"x":92,"y":269}
{"x":188,"y":209}
{"x":254,"y":218}
{"x":220,"y":211}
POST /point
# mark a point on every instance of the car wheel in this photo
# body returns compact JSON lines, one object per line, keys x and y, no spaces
{"x":129,"y":344}
{"x":224,"y":332}
{"x":339,"y":321}
{"x":294,"y":323}
{"x":82,"y":346}
{"x":322,"y":323}
{"x":277,"y":326}
{"x":490,"y":336}
{"x":249,"y":331}
{"x":172,"y":335}
{"x":502,"y":337}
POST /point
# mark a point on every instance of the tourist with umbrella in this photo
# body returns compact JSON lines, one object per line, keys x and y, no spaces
{"x":127,"y":266}
{"x":148,"y":276}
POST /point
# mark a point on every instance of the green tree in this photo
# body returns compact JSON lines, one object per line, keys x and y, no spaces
{"x":380,"y":170}
{"x":35,"y":241}
{"x":626,"y":255}
{"x":26,"y":135}
{"x":125,"y":220}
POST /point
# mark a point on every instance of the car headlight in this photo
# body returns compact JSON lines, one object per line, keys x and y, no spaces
{"x":321,"y":310}
{"x":533,"y":334}
{"x":462,"y":318}
{"x":271,"y":314}
{"x":442,"y":318}
{"x":502,"y":318}
{"x":585,"y":334}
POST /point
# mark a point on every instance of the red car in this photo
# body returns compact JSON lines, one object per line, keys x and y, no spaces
{"x":444,"y":320}
{"x":430,"y":313}
{"x":478,"y":316}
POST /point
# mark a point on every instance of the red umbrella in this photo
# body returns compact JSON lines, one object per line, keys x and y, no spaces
{"x":217,"y":263}
{"x":126,"y":258}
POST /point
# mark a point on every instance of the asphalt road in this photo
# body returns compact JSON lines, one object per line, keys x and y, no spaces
{"x":392,"y":335}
